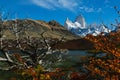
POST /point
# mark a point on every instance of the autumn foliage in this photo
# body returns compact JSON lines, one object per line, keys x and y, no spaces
{"x":106,"y":67}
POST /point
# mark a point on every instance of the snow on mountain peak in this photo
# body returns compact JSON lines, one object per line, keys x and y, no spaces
{"x":79,"y":23}
{"x":69,"y":25}
{"x":80,"y":19}
{"x":80,"y":28}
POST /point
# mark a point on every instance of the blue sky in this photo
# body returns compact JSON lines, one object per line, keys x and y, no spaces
{"x":94,"y":11}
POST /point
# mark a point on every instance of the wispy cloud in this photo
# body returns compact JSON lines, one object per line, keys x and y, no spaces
{"x":90,"y":9}
{"x":68,"y":4}
{"x":54,"y":4}
{"x":44,"y":3}
{"x":72,"y":5}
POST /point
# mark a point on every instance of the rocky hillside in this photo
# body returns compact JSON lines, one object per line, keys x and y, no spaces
{"x":33,"y":28}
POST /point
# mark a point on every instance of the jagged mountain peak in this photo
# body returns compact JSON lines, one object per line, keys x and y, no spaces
{"x":80,"y":28}
{"x":79,"y":23}
{"x":80,"y":19}
{"x":67,"y":19}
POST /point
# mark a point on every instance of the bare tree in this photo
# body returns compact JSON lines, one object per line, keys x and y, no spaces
{"x":4,"y":45}
{"x":36,"y":51}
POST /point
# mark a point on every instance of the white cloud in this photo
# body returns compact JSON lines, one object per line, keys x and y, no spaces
{"x":72,"y":5}
{"x":86,"y":9}
{"x":53,"y":4}
{"x":68,"y":4}
{"x":43,"y":3}
{"x":90,"y":9}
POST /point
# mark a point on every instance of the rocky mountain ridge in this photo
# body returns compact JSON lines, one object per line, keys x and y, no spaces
{"x":33,"y":28}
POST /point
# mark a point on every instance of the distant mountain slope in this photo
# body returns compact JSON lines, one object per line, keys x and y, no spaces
{"x":34,"y":28}
{"x":78,"y":44}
